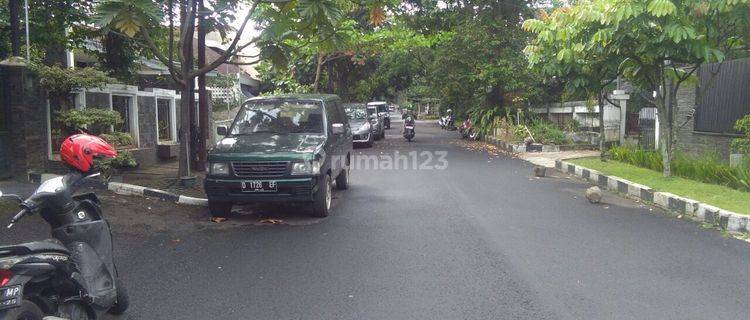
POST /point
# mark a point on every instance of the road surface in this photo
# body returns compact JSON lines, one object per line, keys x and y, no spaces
{"x":481,"y":239}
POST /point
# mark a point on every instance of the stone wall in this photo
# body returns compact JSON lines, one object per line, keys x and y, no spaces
{"x":97,"y":100}
{"x":689,"y":141}
{"x":147,"y":129}
{"x":21,"y":95}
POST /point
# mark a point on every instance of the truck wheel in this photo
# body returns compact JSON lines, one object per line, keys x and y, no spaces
{"x":342,"y":181}
{"x":322,"y":203}
{"x":220,"y":209}
{"x":27,"y":311}
{"x":123,"y":301}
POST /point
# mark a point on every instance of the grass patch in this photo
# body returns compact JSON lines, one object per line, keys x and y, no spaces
{"x":715,"y":195}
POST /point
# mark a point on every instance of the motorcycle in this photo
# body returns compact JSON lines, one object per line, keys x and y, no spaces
{"x":447,"y":122}
{"x":467,"y":130}
{"x":408,"y":129}
{"x":72,"y":275}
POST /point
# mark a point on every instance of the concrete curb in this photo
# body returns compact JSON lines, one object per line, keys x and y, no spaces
{"x":725,"y":219}
{"x":510,"y":147}
{"x":131,"y":190}
{"x":134,"y":190}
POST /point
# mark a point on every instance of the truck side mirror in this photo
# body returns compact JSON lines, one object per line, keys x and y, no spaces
{"x":338,"y":128}
{"x":221,"y":130}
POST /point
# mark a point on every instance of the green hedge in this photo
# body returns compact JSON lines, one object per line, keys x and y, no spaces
{"x":708,"y":169}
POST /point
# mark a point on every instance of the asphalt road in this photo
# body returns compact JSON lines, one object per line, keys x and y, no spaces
{"x":481,"y":239}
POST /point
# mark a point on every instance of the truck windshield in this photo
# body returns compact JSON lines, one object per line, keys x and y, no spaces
{"x":277,"y":116}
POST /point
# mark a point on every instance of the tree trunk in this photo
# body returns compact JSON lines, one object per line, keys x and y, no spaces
{"x":194,"y":131}
{"x":602,"y":152}
{"x":187,"y":98}
{"x":202,"y":92}
{"x":329,"y":71}
{"x":665,"y":143}
{"x":666,"y":120}
{"x":318,"y":69}
{"x":184,"y":131}
{"x":15,"y":31}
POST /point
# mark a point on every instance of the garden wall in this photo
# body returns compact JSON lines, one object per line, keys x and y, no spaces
{"x":26,"y":135}
{"x":25,"y":142}
{"x":586,"y":115}
{"x":693,"y":142}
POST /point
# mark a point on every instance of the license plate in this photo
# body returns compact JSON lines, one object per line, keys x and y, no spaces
{"x":10,"y":297}
{"x":409,"y":127}
{"x":259,"y":186}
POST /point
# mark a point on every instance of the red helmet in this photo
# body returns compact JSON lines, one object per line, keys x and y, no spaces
{"x":79,"y":150}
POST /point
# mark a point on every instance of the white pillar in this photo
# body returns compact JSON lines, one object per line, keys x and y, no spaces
{"x":622,"y":100}
{"x":656,"y":130}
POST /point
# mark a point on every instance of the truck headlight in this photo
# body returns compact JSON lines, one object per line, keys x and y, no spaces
{"x":219,"y":168}
{"x":306,"y":168}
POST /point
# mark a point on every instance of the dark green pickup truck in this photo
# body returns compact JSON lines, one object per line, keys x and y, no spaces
{"x":288,"y":148}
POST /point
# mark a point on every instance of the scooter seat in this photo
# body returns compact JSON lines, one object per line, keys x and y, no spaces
{"x":33,"y":247}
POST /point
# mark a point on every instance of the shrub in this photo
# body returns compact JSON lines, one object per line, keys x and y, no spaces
{"x":118,"y":139}
{"x":60,"y":82}
{"x":109,"y":166}
{"x":547,"y":133}
{"x":708,"y":168}
{"x":96,"y":118}
{"x":572,"y":125}
{"x":742,"y":144}
{"x":638,"y":157}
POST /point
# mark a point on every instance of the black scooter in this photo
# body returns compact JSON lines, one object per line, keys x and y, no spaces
{"x":71,"y":276}
{"x":408,"y":128}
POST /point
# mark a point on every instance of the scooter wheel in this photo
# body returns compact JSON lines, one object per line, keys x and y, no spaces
{"x":123,"y":301}
{"x":27,"y":311}
{"x":73,"y":311}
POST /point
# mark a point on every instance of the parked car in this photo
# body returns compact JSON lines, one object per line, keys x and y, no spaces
{"x":361,"y":127}
{"x":383,"y":111}
{"x":377,"y":121}
{"x":288,"y":148}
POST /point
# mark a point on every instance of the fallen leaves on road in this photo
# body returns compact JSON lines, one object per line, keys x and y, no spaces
{"x":272,"y":221}
{"x":218,"y":219}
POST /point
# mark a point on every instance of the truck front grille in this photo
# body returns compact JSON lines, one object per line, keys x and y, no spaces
{"x":260,"y":169}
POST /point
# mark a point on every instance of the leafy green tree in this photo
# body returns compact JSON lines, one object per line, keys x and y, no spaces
{"x":659,"y":43}
{"x":321,"y":33}
{"x":562,"y":50}
{"x":143,"y":19}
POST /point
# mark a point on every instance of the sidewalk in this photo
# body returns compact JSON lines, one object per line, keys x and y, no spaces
{"x":548,"y":159}
{"x":162,"y":176}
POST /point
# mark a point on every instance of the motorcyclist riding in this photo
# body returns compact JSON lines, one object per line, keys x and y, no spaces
{"x":409,"y":126}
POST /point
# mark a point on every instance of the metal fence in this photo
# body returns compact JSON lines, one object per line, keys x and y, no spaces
{"x":723,"y":96}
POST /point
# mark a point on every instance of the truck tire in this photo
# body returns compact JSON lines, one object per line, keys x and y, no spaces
{"x":342,"y":181}
{"x":322,"y":202}
{"x":220,"y":209}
